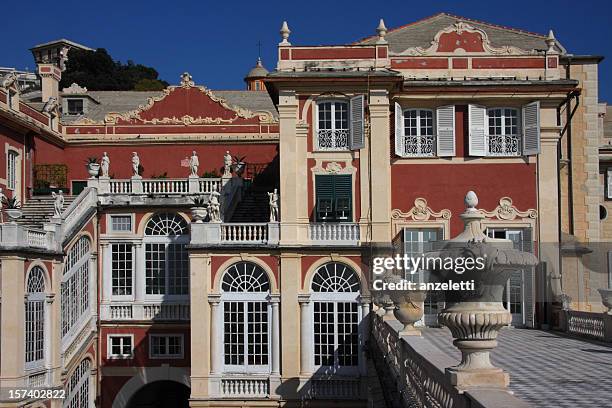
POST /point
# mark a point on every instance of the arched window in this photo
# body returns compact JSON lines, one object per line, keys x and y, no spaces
{"x":35,"y":318}
{"x":336,"y":316}
{"x":246,"y":329}
{"x":77,"y":387}
{"x":75,"y":284}
{"x":166,"y":260}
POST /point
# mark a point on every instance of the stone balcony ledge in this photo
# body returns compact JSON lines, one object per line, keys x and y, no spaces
{"x":234,"y":234}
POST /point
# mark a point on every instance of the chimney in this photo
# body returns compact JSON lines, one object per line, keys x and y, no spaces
{"x":50,"y":76}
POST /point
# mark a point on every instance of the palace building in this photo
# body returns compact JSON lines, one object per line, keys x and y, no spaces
{"x":216,"y":253}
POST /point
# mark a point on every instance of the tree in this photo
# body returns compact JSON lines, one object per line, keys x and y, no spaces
{"x":97,"y":71}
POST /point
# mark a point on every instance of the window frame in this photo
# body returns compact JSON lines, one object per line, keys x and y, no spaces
{"x":179,"y":356}
{"x":336,"y":298}
{"x":109,"y":223}
{"x":518,"y":135}
{"x":109,"y":343}
{"x":71,"y":275}
{"x":12,"y":160}
{"x":433,"y":135}
{"x":245,"y":298}
{"x":334,"y":200}
{"x":76,"y":390}
{"x":40,"y":325}
{"x":132,"y":294}
{"x":317,"y":127}
{"x":75,"y":113}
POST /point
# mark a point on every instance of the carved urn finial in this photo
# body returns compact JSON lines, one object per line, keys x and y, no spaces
{"x":186,"y":80}
{"x":471,"y":201}
{"x":284,"y":32}
{"x":382,"y":32}
{"x":551,"y":41}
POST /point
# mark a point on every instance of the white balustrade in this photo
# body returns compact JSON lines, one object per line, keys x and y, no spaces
{"x":73,"y":215}
{"x":326,"y":233}
{"x":120,"y":186}
{"x":245,"y":387}
{"x":208,"y":185}
{"x":165,"y":186}
{"x":335,"y":388}
{"x":36,"y":238}
{"x":244,"y":233}
{"x":587,"y":324}
{"x":146,"y":311}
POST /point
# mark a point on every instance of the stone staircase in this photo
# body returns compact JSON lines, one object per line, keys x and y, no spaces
{"x":253,"y":207}
{"x":38,"y":210}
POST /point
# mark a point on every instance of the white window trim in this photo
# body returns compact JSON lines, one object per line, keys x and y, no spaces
{"x":10,"y":150}
{"x":142,"y":279}
{"x":519,"y":130}
{"x":166,"y":356}
{"x":110,"y":355}
{"x":109,"y":223}
{"x":85,"y":259}
{"x":111,"y":296}
{"x":316,"y":147}
{"x":418,"y":127}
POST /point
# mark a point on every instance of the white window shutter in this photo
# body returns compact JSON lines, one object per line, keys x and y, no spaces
{"x":357,"y":139}
{"x":399,"y":130}
{"x":478,"y":135}
{"x":531,"y":128}
{"x":445,"y":126}
{"x":609,"y":183}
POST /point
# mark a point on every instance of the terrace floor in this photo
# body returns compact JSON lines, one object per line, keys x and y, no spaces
{"x":547,"y":369}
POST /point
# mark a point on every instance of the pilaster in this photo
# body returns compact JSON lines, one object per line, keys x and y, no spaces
{"x":199,"y":267}
{"x":12,"y":347}
{"x":287,"y":110}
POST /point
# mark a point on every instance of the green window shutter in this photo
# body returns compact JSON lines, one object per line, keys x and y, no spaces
{"x":343,"y":190}
{"x":324,"y":190}
{"x":334,"y":198}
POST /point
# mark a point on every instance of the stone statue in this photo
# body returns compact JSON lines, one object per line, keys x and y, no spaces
{"x":58,"y":204}
{"x":227,"y":164}
{"x":273,"y":205}
{"x":2,"y":198}
{"x":194,"y":162}
{"x":135,"y":164}
{"x":214,"y":206}
{"x":105,"y":164}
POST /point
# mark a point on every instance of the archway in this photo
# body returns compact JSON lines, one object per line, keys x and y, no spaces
{"x":161,"y":394}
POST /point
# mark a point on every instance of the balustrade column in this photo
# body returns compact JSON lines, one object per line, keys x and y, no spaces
{"x":216,"y":317}
{"x":306,"y":341}
{"x":275,"y":335}
{"x":364,"y":333}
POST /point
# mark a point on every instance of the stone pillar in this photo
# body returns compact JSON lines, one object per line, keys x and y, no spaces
{"x":306,"y":349}
{"x":12,"y":347}
{"x":548,"y":208}
{"x":50,"y":76}
{"x":379,"y":151}
{"x":303,"y":174}
{"x":275,"y":336}
{"x":139,"y":279}
{"x":364,"y":334}
{"x":287,"y":110}
{"x":290,"y":278}
{"x":199,"y":267}
{"x":216,"y":334}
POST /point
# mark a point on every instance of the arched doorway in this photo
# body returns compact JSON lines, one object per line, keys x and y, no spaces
{"x":161,"y":394}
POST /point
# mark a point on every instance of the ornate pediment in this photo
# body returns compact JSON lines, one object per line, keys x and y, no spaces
{"x":420,"y":212}
{"x":506,"y":211}
{"x":462,"y":38}
{"x":188,"y":104}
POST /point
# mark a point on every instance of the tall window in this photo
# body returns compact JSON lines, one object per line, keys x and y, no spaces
{"x":77,"y":387}
{"x":11,"y":170}
{"x":166,"y":260}
{"x":75,"y":284}
{"x":245,"y":291}
{"x":419,"y":133}
{"x":504,"y":136}
{"x":122,"y":269}
{"x":333,"y":125}
{"x":334,"y":195}
{"x":336,"y":318}
{"x":35,"y":318}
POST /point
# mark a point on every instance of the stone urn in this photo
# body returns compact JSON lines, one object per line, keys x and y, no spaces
{"x":199,"y":214}
{"x":476,"y":315}
{"x":606,"y":298}
{"x":93,"y":169}
{"x":14,"y":214}
{"x":409,"y":311}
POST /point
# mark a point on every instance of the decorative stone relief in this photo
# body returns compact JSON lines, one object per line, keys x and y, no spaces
{"x":505,"y":211}
{"x":460,"y":27}
{"x":333,"y":167}
{"x":420,"y":212}
{"x":74,"y":89}
{"x":186,"y":83}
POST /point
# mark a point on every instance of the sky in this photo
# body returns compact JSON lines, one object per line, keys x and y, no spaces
{"x":217,"y":42}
